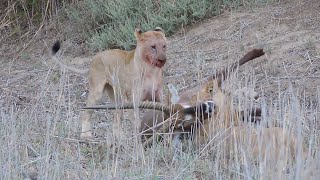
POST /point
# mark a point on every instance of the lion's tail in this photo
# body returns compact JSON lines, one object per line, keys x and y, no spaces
{"x":55,"y":48}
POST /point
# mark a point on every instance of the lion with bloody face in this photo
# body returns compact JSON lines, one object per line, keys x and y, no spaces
{"x":125,"y":75}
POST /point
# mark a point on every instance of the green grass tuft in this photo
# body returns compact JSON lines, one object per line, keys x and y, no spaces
{"x":110,"y":24}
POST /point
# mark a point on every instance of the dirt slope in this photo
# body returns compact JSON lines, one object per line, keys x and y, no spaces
{"x":288,"y":32}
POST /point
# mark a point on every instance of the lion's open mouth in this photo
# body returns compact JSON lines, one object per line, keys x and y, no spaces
{"x":158,"y":63}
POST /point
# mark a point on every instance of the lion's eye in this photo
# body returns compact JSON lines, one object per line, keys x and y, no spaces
{"x":153,"y":47}
{"x":164,"y":46}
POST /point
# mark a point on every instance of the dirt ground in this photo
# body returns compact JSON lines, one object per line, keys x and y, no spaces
{"x":289,"y":33}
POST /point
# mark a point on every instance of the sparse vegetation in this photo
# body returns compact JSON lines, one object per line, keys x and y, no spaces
{"x":109,"y":24}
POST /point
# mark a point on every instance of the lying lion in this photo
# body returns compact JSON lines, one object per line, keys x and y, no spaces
{"x":209,"y":91}
{"x":125,"y":76}
{"x":260,"y":143}
{"x":226,"y":125}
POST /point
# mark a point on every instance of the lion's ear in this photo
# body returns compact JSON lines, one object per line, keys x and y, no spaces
{"x":138,"y":33}
{"x":210,"y":86}
{"x":159,"y":29}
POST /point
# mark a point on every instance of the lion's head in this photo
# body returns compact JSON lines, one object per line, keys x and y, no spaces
{"x":152,"y":46}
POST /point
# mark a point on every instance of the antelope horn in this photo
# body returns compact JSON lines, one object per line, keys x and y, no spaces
{"x":142,"y":105}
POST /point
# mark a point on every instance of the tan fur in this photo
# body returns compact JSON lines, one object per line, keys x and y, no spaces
{"x":223,"y":115}
{"x":127,"y":75}
{"x":276,"y":143}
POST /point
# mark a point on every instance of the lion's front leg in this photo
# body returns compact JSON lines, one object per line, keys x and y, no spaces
{"x":118,"y":114}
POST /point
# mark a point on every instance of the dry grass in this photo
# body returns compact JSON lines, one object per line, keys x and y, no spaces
{"x":42,"y":136}
{"x":19,"y":18}
{"x":39,"y":104}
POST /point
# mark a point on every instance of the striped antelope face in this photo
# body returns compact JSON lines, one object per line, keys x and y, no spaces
{"x":191,"y":113}
{"x":181,"y":118}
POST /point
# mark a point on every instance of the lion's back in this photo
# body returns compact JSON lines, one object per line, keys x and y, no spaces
{"x":114,"y":57}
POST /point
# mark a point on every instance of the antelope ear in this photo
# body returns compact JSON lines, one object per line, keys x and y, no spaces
{"x":159,"y":29}
{"x":138,"y":33}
